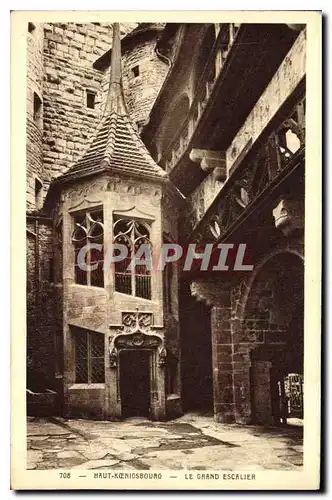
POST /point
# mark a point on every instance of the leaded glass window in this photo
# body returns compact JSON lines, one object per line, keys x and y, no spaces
{"x":89,"y":233}
{"x":89,"y":357}
{"x":130,"y":280}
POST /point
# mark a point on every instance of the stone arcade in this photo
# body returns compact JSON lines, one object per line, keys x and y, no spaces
{"x":190,"y":137}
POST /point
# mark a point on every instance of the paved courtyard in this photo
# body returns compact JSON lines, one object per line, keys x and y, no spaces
{"x":191,"y":442}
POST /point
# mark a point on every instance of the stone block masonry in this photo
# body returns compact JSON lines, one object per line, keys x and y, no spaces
{"x":34,"y":147}
{"x":44,"y":314}
{"x":143,"y":75}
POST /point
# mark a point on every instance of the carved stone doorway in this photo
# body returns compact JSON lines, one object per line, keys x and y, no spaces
{"x":135,"y":382}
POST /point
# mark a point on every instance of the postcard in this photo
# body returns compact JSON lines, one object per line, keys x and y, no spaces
{"x":166,"y":248}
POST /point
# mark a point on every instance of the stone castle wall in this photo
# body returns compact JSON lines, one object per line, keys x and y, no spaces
{"x":44,"y":316}
{"x":35,"y":77}
{"x":61,"y":58}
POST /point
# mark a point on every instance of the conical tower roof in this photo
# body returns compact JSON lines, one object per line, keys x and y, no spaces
{"x":116,"y":146}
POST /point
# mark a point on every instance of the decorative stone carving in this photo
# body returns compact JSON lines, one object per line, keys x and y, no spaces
{"x":88,"y":193}
{"x":289,"y":215}
{"x":113,"y":185}
{"x":211,"y":161}
{"x":113,"y":357}
{"x":134,"y":212}
{"x":129,"y":320}
{"x":162,"y":357}
{"x":137,"y":332}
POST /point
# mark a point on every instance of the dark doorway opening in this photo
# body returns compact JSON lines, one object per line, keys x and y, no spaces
{"x":276,"y":386}
{"x":277,"y":366}
{"x":135,"y":383}
{"x":196,"y":354}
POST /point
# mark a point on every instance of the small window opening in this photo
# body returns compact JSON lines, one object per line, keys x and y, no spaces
{"x":37,"y":105}
{"x":89,"y":357}
{"x":90,"y":99}
{"x":135,"y":71}
{"x":38,"y":193}
{"x":31,"y":27}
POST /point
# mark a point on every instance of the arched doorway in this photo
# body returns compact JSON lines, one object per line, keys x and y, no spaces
{"x":275,"y":314}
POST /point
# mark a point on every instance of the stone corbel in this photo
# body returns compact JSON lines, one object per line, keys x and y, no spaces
{"x":210,"y":161}
{"x":212,"y":293}
{"x":289,"y":215}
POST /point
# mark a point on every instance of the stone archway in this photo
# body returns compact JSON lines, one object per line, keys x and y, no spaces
{"x":272,"y":329}
{"x":139,"y":344}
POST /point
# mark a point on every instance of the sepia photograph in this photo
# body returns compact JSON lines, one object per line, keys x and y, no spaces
{"x":165,"y":173}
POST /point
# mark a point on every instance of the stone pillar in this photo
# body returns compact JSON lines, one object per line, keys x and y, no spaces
{"x":262,"y":392}
{"x":222,"y":365}
{"x":212,"y":294}
{"x":241,"y":378}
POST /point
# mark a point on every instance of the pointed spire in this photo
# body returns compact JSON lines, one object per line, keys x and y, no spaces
{"x":116,"y":145}
{"x":115,"y":87}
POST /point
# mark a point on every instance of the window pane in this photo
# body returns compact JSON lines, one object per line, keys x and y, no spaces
{"x":97,"y":258}
{"x":81,"y":371}
{"x":97,"y":345}
{"x":97,"y":371}
{"x":97,"y":354}
{"x":81,"y":357}
{"x":123,"y":283}
{"x":143,"y":286}
{"x":122,"y":273}
{"x":97,"y":275}
{"x":80,"y":274}
{"x":136,"y":282}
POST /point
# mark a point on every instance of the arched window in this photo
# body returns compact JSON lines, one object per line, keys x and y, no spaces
{"x":129,"y":278}
{"x":88,"y":233}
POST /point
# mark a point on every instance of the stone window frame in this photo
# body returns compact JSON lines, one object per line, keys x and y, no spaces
{"x":131,"y":237}
{"x":85,"y":223}
{"x":37,"y":109}
{"x":38,"y":192}
{"x":135,"y":71}
{"x":93,"y":93}
{"x":88,"y":342}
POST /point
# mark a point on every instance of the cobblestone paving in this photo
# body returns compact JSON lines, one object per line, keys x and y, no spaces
{"x":191,"y":442}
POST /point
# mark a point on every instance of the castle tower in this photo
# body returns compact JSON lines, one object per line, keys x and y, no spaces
{"x":144,"y":70}
{"x":120,"y":322}
{"x":34,"y":146}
